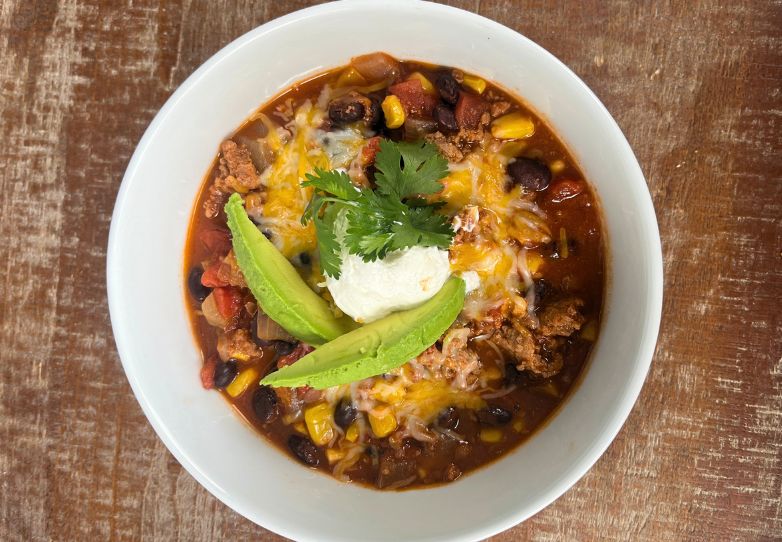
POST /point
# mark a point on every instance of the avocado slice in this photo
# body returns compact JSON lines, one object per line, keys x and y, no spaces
{"x":277,"y":286}
{"x":376,"y":347}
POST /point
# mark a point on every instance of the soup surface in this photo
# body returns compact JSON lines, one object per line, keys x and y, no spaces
{"x":522,"y":231}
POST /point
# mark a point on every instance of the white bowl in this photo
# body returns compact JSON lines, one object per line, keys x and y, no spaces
{"x":152,"y":331}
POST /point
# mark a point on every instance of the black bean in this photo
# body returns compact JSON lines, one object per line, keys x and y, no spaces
{"x":345,"y":111}
{"x":446,"y":120}
{"x":531,"y":174}
{"x":512,"y":375}
{"x":268,"y":234}
{"x":448,"y":418}
{"x":265,"y":404}
{"x":305,"y":259}
{"x":494,"y":415}
{"x":447,"y":87}
{"x":373,"y":115}
{"x":304,"y":450}
{"x":283,"y":348}
{"x":542,"y":290}
{"x":225,"y":372}
{"x":345,"y":414}
{"x":197,"y":290}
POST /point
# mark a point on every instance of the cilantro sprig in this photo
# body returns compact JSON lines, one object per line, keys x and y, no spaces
{"x":392,"y":217}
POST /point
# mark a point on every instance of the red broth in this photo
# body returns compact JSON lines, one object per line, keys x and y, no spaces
{"x":461,"y":439}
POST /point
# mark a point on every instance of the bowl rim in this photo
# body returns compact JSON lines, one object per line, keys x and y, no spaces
{"x":653,"y":250}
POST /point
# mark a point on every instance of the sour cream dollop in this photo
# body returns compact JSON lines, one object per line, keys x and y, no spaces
{"x":402,"y":280}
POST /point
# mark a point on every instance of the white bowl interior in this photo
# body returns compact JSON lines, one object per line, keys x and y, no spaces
{"x":145,"y":278}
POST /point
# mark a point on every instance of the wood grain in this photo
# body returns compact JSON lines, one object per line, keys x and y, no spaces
{"x":694,"y":85}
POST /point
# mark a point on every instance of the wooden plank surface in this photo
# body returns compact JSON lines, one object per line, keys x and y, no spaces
{"x":694,"y":85}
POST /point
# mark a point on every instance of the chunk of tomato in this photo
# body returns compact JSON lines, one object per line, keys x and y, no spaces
{"x":415,"y":100}
{"x":216,"y":240}
{"x":469,"y":110}
{"x":228,"y":300}
{"x":211,"y":277}
{"x":208,"y":373}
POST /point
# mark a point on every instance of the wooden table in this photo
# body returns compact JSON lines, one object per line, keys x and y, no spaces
{"x":694,"y":86}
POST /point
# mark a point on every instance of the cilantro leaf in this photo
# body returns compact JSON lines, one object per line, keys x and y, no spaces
{"x":328,"y":246}
{"x":421,"y":226}
{"x":408,"y":169}
{"x":333,"y":182}
{"x":392,"y":217}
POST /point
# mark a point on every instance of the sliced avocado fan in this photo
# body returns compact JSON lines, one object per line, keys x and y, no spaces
{"x":280,"y":291}
{"x":377,"y":347}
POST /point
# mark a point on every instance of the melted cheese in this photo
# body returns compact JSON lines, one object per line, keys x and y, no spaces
{"x":286,"y":199}
{"x":422,"y":400}
{"x":480,"y":180}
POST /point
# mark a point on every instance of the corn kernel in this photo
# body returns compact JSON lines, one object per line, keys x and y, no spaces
{"x":387,"y":393}
{"x":382,"y":420}
{"x":512,"y":126}
{"x":334,"y":455}
{"x":518,"y":426}
{"x":350,"y":77}
{"x":394,"y":112}
{"x":319,"y":423}
{"x":557,"y":166}
{"x":243,"y":381}
{"x":426,"y":84}
{"x":351,"y":435}
{"x":589,"y":331}
{"x":300,"y":427}
{"x":491,"y":435}
{"x":549,"y":388}
{"x":475,"y":83}
{"x":512,"y":149}
{"x":492,"y":372}
{"x":563,"y":251}
{"x":534,"y":261}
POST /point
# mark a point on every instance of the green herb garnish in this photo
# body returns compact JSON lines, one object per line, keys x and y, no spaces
{"x":391,"y":217}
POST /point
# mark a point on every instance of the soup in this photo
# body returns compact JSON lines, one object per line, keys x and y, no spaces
{"x":395,"y":272}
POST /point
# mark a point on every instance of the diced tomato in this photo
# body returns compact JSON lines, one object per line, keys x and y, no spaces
{"x":208,"y":373}
{"x":565,"y":189}
{"x":370,"y":150}
{"x":301,"y":350}
{"x":216,"y":240}
{"x":414,"y":99}
{"x":211,"y":277}
{"x":469,"y":110}
{"x":228,"y":300}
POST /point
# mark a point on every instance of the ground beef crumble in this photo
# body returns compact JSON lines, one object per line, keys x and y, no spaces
{"x":237,"y":173}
